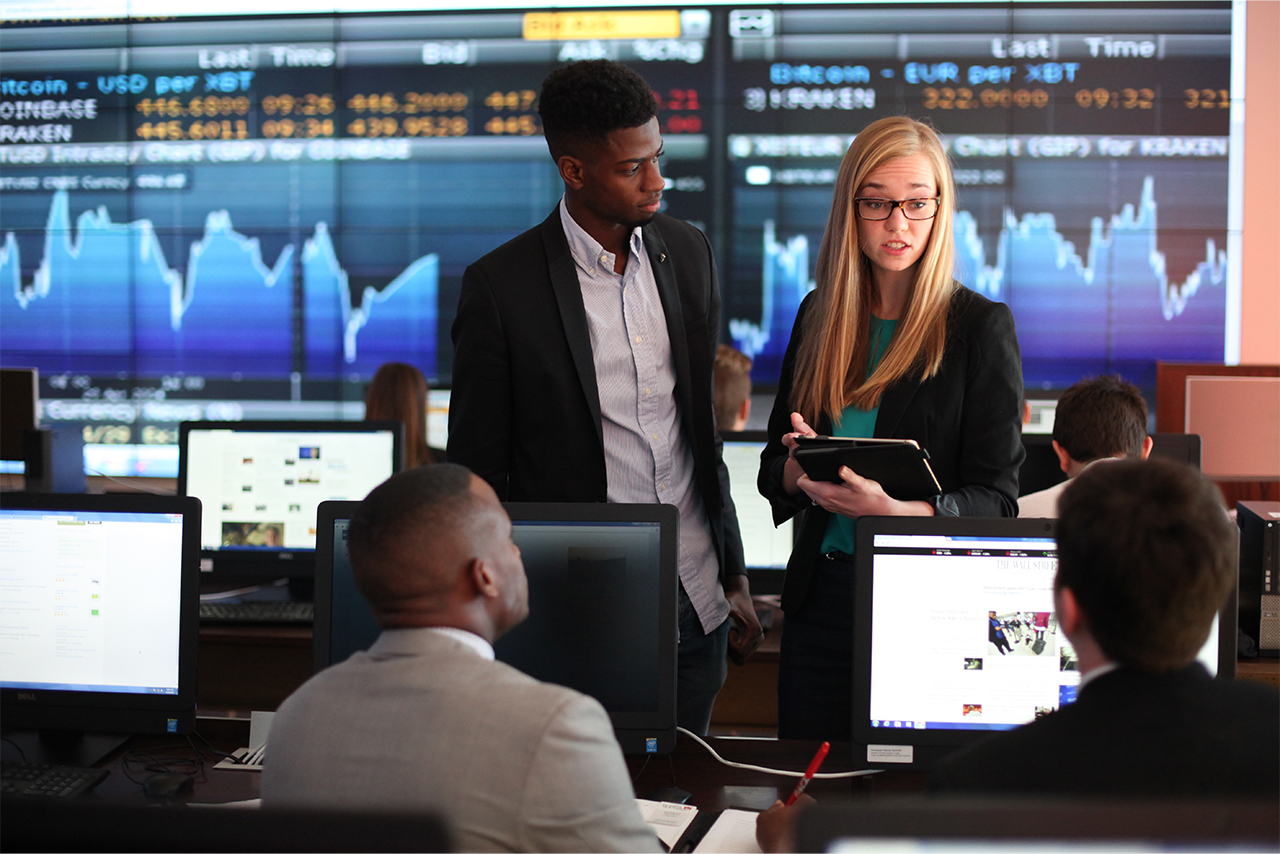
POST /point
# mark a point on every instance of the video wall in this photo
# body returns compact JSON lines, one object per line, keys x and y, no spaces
{"x":242,"y":217}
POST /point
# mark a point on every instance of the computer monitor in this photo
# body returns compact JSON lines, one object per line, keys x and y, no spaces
{"x":1041,"y":468}
{"x":767,"y":548}
{"x":928,"y":676}
{"x":19,"y":389}
{"x":261,"y":481}
{"x":99,"y":619}
{"x":602,"y":607}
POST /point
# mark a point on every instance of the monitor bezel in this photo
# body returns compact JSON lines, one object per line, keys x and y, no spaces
{"x":327,"y":513}
{"x":662,"y":721}
{"x":288,"y":562}
{"x":102,"y":711}
{"x":763,"y":581}
{"x":931,"y":745}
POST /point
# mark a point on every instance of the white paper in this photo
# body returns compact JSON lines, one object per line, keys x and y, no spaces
{"x":666,"y":819}
{"x":734,"y":831}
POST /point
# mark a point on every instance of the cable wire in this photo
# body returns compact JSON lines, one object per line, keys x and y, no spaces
{"x":832,"y":775}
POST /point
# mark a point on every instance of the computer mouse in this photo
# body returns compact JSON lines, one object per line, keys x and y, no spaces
{"x":167,"y":784}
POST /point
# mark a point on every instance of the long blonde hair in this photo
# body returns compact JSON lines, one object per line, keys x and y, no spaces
{"x":832,"y":361}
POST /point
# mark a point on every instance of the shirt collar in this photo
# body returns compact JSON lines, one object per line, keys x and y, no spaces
{"x":481,"y":646}
{"x":1101,"y":670}
{"x":586,"y":250}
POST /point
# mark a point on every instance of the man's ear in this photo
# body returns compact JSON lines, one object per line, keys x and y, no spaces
{"x":1146,"y":447}
{"x":571,"y":169}
{"x":1070,"y":617}
{"x":482,"y":579}
{"x":1064,"y":459}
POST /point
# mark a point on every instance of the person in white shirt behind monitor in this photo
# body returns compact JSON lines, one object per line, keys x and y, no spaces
{"x":1103,"y":418}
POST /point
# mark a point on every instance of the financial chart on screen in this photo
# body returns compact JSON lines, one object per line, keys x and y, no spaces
{"x":218,"y":217}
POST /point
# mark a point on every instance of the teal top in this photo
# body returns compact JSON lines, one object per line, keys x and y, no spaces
{"x":858,"y":424}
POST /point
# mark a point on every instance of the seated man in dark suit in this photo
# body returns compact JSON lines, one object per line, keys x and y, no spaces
{"x":1146,"y":556}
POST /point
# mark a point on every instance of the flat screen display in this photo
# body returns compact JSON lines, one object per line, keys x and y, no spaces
{"x":956,"y":633}
{"x":242,"y":216}
{"x":766,"y":547}
{"x":91,"y":601}
{"x":595,"y":593}
{"x":261,"y":483}
{"x":98,"y":611}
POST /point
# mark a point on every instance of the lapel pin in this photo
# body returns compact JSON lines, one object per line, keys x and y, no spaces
{"x":662,"y":256}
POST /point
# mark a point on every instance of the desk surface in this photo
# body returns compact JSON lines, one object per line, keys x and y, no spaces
{"x":690,"y":767}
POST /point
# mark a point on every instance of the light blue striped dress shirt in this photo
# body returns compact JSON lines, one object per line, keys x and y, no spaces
{"x":648,"y":459}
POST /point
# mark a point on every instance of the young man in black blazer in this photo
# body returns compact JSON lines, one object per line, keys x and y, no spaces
{"x":1146,"y":556}
{"x":584,"y":351}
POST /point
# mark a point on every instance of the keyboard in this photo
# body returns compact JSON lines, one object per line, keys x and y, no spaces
{"x":55,"y":781}
{"x":256,"y":612}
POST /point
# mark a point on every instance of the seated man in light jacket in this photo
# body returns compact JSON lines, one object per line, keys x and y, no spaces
{"x":426,"y":719}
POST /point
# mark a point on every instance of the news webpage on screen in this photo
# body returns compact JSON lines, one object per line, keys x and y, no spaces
{"x":964,"y":634}
{"x":260,"y":490}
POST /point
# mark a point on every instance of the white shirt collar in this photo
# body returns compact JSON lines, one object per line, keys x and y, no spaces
{"x":1101,"y":670}
{"x":481,"y":646}
{"x":586,"y":251}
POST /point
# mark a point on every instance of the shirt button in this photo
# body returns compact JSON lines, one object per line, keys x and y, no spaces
{"x":646,"y":391}
{"x":638,"y":339}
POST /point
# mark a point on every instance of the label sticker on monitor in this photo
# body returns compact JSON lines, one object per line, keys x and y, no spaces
{"x":904,"y":753}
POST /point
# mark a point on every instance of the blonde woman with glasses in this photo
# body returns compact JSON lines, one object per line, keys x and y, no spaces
{"x":888,"y":345}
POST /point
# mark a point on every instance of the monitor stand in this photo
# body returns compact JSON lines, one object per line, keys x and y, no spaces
{"x":60,"y":747}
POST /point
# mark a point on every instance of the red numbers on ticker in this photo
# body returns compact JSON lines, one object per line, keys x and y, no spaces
{"x":679,"y":102}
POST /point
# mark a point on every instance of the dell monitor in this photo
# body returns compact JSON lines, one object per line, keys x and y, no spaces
{"x":955,"y":637}
{"x":99,"y":617}
{"x":602,"y":607}
{"x":766,"y":547}
{"x":261,"y":481}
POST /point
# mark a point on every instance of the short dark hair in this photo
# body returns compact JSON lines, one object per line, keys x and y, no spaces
{"x":1101,"y":417}
{"x":586,"y":101}
{"x":390,"y":526}
{"x":1149,"y":552}
{"x":732,"y":384}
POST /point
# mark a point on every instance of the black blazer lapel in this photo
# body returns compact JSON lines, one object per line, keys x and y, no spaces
{"x":893,"y":405}
{"x":573,"y":314}
{"x":669,"y":292}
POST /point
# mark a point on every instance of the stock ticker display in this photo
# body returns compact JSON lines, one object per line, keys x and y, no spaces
{"x":223,"y":218}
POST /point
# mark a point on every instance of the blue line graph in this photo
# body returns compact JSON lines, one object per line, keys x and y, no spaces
{"x":400,"y":318}
{"x":1117,"y":302}
{"x":785,"y":280}
{"x":104,"y":298}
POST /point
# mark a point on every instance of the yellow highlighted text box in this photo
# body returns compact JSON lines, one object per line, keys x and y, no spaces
{"x":564,"y":26}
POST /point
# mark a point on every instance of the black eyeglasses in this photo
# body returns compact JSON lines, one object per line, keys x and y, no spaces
{"x":874,"y":210}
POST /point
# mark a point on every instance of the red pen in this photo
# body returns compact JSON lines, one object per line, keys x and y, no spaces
{"x":809,"y":772}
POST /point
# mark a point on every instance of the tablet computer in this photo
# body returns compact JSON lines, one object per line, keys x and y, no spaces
{"x":900,"y":466}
